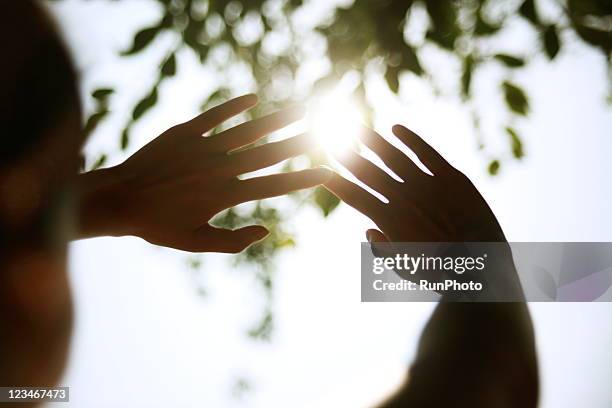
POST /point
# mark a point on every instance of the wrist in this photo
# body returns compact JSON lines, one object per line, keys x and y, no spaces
{"x":103,"y":210}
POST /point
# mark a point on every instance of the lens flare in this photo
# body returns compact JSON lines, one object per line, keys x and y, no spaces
{"x":334,"y":121}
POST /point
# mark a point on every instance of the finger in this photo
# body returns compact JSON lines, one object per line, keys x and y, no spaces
{"x":271,"y":153}
{"x":355,"y":196}
{"x":249,"y":132}
{"x":374,"y":235}
{"x":368,"y":172}
{"x":426,"y":154}
{"x":394,"y":158}
{"x":211,"y":239}
{"x":259,"y":188}
{"x":219,"y":114}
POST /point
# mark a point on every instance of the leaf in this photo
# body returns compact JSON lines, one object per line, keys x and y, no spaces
{"x":528,"y":11}
{"x":94,"y":120}
{"x":466,"y":75}
{"x":102,"y":94}
{"x":325,"y":200}
{"x":99,"y":163}
{"x":410,"y":60}
{"x":125,"y":138}
{"x":515,"y":98}
{"x":517,"y":144}
{"x":445,"y":28}
{"x":551,"y":41}
{"x":483,"y":28}
{"x":168,"y":68}
{"x":494,"y":167}
{"x":595,"y":37}
{"x":582,"y":8}
{"x":510,"y":61}
{"x":145,"y":104}
{"x":142,"y":39}
{"x":392,"y":78}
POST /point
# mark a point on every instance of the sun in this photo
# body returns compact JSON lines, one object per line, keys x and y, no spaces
{"x":334,"y":120}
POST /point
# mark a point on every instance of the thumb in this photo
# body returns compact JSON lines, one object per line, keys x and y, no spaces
{"x":374,"y":235}
{"x":230,"y":241}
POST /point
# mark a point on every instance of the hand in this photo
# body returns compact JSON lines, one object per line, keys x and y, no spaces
{"x":443,"y":207}
{"x":168,"y":191}
{"x":478,"y":353}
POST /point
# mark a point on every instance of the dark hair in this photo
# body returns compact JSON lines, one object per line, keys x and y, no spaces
{"x":38,"y":84}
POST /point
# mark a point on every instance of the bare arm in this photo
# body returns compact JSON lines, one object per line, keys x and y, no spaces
{"x":470,"y":354}
{"x":168,"y":191}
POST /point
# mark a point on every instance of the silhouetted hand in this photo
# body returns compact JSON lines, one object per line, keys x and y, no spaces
{"x":168,"y":191}
{"x":470,"y":354}
{"x":445,"y":207}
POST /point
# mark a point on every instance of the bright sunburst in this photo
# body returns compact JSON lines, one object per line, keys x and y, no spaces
{"x":334,"y":121}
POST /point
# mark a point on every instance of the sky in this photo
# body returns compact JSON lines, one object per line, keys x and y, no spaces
{"x":144,"y":337}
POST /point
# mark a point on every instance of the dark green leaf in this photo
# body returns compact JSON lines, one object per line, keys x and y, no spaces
{"x":102,"y":94}
{"x":494,"y":167}
{"x":516,"y":143}
{"x":595,"y":37}
{"x":483,"y":28}
{"x":551,"y":41}
{"x":515,"y":98}
{"x":466,"y":75}
{"x":168,"y":68}
{"x":325,"y":200}
{"x":125,"y":138}
{"x":445,"y":29}
{"x":410,"y":60}
{"x":142,"y":39}
{"x":99,"y":163}
{"x":510,"y":61}
{"x":528,"y":11}
{"x":94,"y":120}
{"x":583,"y":8}
{"x":145,"y":104}
{"x":392,"y":78}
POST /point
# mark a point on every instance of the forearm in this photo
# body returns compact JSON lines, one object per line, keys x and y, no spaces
{"x":473,"y":355}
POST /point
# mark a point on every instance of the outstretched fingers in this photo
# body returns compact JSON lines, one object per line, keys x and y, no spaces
{"x":271,"y":153}
{"x":394,"y":158}
{"x":355,"y":196}
{"x":259,"y":188}
{"x":249,"y":132}
{"x":426,"y":154}
{"x":219,"y":114}
{"x":369,"y":173}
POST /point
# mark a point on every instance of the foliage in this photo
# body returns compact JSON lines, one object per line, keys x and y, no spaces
{"x":357,"y":37}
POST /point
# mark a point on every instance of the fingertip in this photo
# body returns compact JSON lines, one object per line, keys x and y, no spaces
{"x":398,"y":129}
{"x":250,"y":99}
{"x":258,"y":232}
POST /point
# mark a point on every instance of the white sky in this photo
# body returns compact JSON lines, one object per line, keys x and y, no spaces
{"x":144,"y":338}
